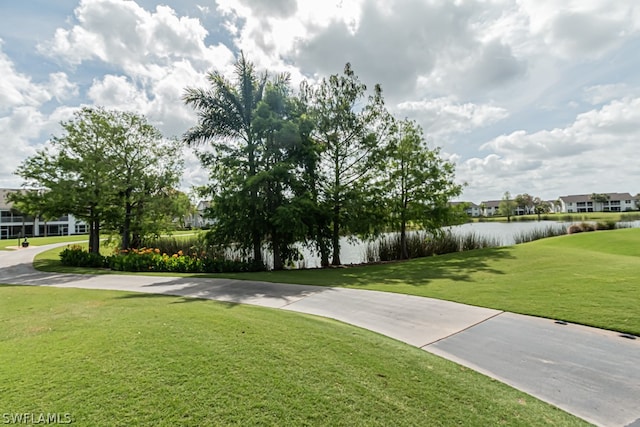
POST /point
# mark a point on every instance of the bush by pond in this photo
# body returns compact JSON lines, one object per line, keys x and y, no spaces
{"x":424,"y":244}
{"x":153,"y":260}
{"x":539,"y":233}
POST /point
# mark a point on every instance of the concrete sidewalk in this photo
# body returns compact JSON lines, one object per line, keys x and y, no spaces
{"x":591,"y":373}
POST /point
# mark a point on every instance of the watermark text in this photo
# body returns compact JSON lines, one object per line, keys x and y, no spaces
{"x":35,"y":418}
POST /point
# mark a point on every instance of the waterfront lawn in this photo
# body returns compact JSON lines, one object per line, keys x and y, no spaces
{"x":588,"y":278}
{"x":121,"y":359}
{"x":566,"y":217}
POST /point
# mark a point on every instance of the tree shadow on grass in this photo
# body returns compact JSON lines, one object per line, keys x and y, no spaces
{"x":460,"y":266}
{"x":279,"y":289}
{"x":420,"y":272}
{"x":175,"y":298}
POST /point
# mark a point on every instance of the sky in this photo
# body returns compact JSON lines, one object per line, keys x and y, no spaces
{"x":526,"y":96}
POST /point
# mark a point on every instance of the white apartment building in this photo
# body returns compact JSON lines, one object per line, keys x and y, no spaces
{"x":15,"y":224}
{"x":580,"y":203}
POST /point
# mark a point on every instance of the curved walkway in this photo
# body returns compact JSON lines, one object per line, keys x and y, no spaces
{"x":591,"y":373}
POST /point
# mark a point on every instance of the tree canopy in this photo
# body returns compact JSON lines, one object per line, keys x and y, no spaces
{"x":110,"y":169}
{"x":310,"y":167}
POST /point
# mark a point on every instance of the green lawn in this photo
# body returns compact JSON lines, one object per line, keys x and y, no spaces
{"x":41,"y":241}
{"x":567,"y":217}
{"x":122,"y":359}
{"x":587,"y":278}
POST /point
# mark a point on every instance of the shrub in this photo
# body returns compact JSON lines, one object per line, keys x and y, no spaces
{"x":424,"y":244}
{"x":539,"y":233}
{"x":76,"y":256}
{"x":574,"y":228}
{"x":583,"y":226}
{"x":146,"y":259}
{"x":588,"y":226}
{"x":605,"y":225}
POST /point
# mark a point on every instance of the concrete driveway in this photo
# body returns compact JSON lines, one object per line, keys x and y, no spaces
{"x":591,"y":373}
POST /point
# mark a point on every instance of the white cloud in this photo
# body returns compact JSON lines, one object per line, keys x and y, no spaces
{"x":117,"y":92}
{"x":599,"y":94}
{"x":61,"y":88}
{"x":446,"y":115}
{"x":563,"y":160}
{"x":17,"y":89}
{"x":122,"y":33}
{"x":470,"y":72}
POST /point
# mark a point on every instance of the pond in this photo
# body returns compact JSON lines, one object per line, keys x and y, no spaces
{"x":354,"y":251}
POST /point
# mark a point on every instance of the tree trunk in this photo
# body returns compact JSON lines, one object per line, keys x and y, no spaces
{"x":278,"y":263}
{"x":336,"y":236}
{"x":324,"y":250}
{"x":94,"y":236}
{"x":125,"y":236}
{"x":403,"y":240}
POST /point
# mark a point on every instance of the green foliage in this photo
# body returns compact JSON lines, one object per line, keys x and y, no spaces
{"x":110,"y":169}
{"x":226,"y":114}
{"x":539,"y":233}
{"x":350,"y":131}
{"x":151,"y":260}
{"x":507,"y":206}
{"x":77,"y":256}
{"x":417,"y":184}
{"x":287,"y":169}
{"x":195,"y":258}
{"x":420,"y":244}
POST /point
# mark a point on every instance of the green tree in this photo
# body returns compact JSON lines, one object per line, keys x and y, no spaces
{"x":283,"y":201}
{"x":599,"y":198}
{"x":105,"y":165}
{"x":72,"y":173}
{"x":226,"y":112}
{"x":525,"y":202}
{"x":349,"y":130}
{"x":148,"y":168}
{"x":540,"y":206}
{"x":419,"y":184}
{"x":483,"y":208}
{"x":507,"y":206}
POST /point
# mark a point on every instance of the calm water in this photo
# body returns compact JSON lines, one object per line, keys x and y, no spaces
{"x":354,"y":252}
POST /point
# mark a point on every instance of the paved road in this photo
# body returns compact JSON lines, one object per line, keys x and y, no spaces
{"x":591,"y":373}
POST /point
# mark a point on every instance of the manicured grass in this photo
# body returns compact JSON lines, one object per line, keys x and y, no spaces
{"x":567,"y":217}
{"x":122,"y":359}
{"x":41,"y":241}
{"x":587,"y":278}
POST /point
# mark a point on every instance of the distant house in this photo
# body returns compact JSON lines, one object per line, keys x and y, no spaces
{"x":470,"y":208}
{"x":14,"y":224}
{"x":490,"y":207}
{"x":617,"y":202}
{"x":199,"y":219}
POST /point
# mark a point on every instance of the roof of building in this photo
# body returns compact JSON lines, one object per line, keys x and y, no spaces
{"x":4,"y":192}
{"x":491,"y":203}
{"x":587,"y":197}
{"x":468,"y":204}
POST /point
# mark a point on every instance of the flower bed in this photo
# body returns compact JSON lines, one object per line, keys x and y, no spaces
{"x":150,"y":259}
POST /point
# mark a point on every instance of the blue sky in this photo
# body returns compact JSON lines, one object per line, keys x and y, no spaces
{"x":524,"y":96}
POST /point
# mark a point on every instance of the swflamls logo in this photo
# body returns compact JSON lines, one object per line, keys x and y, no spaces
{"x":35,"y":418}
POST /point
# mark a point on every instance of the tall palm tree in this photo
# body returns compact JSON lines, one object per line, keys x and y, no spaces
{"x":225,"y":114}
